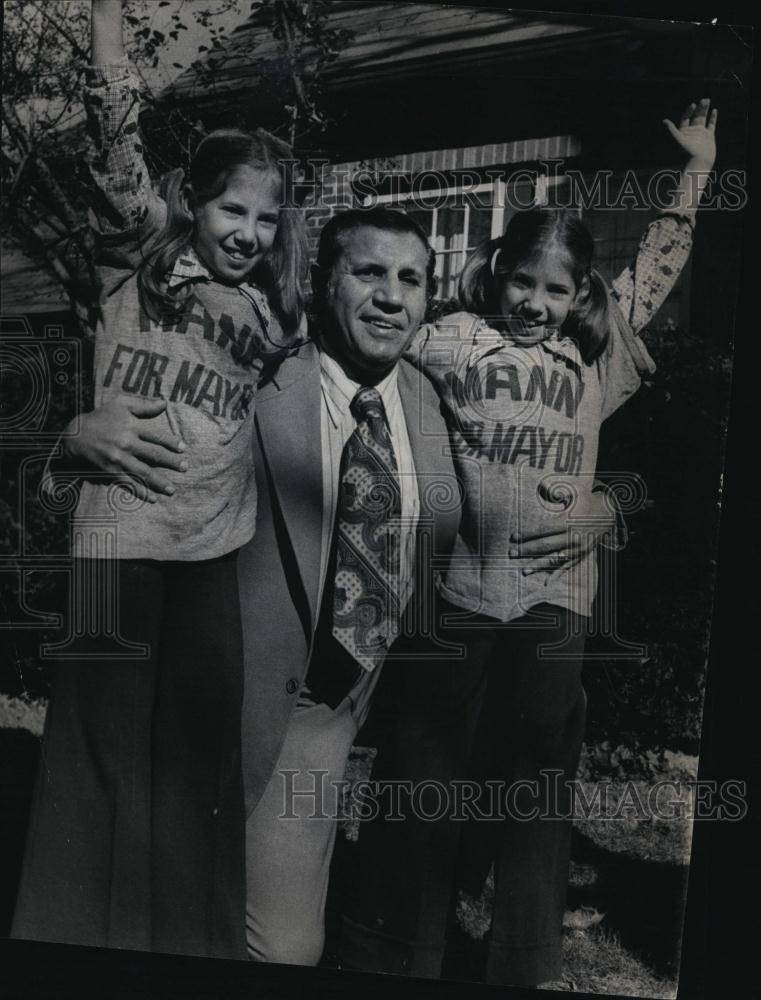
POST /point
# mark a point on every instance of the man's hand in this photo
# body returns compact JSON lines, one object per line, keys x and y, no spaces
{"x":556,"y":549}
{"x":120,"y":438}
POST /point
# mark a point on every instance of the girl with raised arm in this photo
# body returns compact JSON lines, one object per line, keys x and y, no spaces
{"x":137,"y":831}
{"x":545,"y":352}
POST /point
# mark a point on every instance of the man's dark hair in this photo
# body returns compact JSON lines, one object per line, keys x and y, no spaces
{"x":336,"y":229}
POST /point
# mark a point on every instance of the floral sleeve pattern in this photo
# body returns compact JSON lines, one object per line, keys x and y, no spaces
{"x":663,"y":251}
{"x":112,"y":101}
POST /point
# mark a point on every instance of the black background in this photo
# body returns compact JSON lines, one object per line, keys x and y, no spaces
{"x":723,"y":929}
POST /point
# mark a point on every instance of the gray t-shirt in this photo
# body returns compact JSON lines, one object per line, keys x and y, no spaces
{"x":206,"y":367}
{"x":525,"y":423}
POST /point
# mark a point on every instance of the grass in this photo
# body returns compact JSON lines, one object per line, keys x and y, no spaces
{"x":634,"y":832}
{"x":22,"y":713}
{"x":594,"y":959}
{"x":595,"y":962}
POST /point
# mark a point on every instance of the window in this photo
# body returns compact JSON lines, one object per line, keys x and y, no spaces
{"x":457,"y":220}
{"x":454,"y":229}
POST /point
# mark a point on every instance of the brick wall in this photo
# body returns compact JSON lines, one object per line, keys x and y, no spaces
{"x":331,"y":183}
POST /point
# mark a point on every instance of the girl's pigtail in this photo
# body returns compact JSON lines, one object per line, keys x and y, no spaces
{"x":591,"y":319}
{"x":287,"y":267}
{"x":170,"y":190}
{"x":285,"y":271}
{"x":476,"y":288}
{"x":159,"y":303}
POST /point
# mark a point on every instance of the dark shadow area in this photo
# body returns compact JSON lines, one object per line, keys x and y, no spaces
{"x":643,"y":903}
{"x":19,"y":756}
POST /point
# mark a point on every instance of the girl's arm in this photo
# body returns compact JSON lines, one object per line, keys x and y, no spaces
{"x":414,"y":349}
{"x":128,"y":203}
{"x":106,"y":32}
{"x":455,"y":332}
{"x":643,"y":287}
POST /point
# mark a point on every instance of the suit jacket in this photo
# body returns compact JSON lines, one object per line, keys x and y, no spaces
{"x":279,"y":568}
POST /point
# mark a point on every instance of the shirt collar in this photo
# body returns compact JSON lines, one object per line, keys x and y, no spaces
{"x":339,"y":390}
{"x":487,"y":340}
{"x":188,"y":267}
{"x":564,"y":348}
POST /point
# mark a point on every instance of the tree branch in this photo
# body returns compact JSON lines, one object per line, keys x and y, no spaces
{"x":291,"y":53}
{"x":35,"y":234}
{"x":67,"y":104}
{"x":15,"y":128}
{"x":79,"y":52}
{"x":21,"y":169}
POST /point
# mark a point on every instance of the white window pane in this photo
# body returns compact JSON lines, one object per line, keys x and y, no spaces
{"x":479,"y":226}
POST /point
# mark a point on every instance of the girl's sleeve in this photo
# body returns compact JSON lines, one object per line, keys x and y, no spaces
{"x":127,"y":204}
{"x":414,"y":350}
{"x":447,"y":344}
{"x":642,"y":288}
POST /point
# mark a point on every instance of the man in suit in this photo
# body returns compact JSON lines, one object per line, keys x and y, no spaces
{"x":344,"y":401}
{"x":308,"y":689}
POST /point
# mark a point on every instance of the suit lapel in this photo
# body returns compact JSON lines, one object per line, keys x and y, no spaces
{"x":430,"y":445}
{"x":439,"y":490}
{"x":288,"y":413}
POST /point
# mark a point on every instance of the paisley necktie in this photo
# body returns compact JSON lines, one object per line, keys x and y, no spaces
{"x":368,"y":537}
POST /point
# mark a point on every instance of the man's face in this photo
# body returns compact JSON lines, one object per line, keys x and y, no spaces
{"x":375,"y":300}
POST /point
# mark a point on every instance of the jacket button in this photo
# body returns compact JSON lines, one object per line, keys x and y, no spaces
{"x":291,"y":685}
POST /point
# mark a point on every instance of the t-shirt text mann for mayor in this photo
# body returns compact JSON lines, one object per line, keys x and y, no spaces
{"x":540,"y":445}
{"x":144,"y":372}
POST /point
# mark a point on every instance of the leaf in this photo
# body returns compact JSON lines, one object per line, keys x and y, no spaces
{"x":582,"y":919}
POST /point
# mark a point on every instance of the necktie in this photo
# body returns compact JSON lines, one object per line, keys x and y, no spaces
{"x":368,"y":537}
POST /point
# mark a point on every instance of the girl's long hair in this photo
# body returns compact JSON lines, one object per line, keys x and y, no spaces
{"x":282,"y":273}
{"x":528,"y":235}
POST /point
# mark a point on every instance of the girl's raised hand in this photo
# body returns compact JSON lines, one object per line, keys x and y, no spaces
{"x":696,"y":134}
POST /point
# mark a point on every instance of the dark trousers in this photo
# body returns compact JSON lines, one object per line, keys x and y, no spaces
{"x":507,"y":714}
{"x":136,"y":837}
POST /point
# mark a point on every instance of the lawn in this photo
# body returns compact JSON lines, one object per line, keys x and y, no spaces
{"x":627,"y":883}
